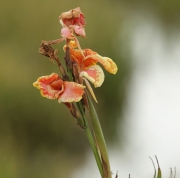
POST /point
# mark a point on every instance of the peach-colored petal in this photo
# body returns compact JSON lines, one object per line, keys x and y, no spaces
{"x":94,"y":74}
{"x":48,"y":92}
{"x":50,"y":86}
{"x":107,"y":63}
{"x":72,"y":92}
{"x":48,"y":78}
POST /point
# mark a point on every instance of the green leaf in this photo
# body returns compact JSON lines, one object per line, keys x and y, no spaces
{"x":100,"y":140}
{"x":90,"y":138}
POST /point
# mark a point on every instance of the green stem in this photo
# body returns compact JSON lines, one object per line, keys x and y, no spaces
{"x":100,"y":140}
{"x":80,"y":107}
{"x":94,"y":149}
{"x":91,"y":140}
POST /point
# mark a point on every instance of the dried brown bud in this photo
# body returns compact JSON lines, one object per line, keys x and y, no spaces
{"x":46,"y":50}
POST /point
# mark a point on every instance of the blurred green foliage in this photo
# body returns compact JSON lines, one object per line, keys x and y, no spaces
{"x":38,"y":137}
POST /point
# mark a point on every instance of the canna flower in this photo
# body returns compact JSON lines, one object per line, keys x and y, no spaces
{"x":53,"y":87}
{"x":73,"y":22}
{"x":87,"y":64}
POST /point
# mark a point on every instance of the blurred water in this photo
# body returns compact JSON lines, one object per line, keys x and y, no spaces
{"x":152,"y":114}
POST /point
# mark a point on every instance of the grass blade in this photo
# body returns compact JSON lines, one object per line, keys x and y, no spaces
{"x":154,"y":168}
{"x":159,"y":170}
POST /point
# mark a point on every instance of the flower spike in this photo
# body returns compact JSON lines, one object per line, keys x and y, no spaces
{"x":81,"y":67}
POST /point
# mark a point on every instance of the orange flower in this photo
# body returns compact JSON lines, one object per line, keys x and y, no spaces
{"x":53,"y":87}
{"x":87,"y":64}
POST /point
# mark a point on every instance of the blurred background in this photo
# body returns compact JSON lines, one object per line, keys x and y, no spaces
{"x":139,"y":107}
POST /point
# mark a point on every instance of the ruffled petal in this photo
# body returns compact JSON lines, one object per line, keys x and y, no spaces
{"x":48,"y":92}
{"x":107,"y":63}
{"x":46,"y":79}
{"x":50,"y":86}
{"x":72,"y":92}
{"x":94,"y":74}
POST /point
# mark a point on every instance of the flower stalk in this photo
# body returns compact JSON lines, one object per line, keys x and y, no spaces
{"x":69,"y":88}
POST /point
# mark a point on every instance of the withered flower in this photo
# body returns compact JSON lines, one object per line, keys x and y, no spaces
{"x":73,"y":22}
{"x":72,"y":17}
